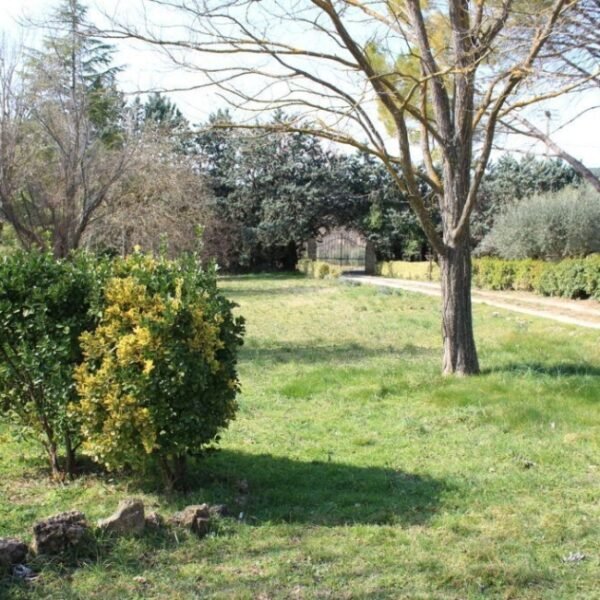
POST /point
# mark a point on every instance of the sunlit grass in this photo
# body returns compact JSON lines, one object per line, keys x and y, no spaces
{"x":370,"y":475}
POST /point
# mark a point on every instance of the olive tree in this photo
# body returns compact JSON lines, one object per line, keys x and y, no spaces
{"x":382,"y":75}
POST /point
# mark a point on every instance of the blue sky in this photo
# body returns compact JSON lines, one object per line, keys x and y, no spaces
{"x":145,"y":70}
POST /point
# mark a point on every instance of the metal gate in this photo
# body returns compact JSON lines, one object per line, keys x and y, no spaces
{"x":343,"y":247}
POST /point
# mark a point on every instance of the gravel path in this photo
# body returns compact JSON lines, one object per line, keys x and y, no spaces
{"x":585,"y":313}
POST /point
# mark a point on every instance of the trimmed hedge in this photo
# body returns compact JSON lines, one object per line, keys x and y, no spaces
{"x":318,"y":269}
{"x":569,"y":278}
{"x":401,"y":269}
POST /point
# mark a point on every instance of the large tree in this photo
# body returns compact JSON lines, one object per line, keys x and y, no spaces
{"x":446,"y":72}
{"x":63,"y":144}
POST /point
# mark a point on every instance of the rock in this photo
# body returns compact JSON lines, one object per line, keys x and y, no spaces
{"x":59,"y":533}
{"x":195,"y":518}
{"x":12,"y":552}
{"x":23,"y":572}
{"x":128,"y":518}
{"x":574,"y":557}
{"x":154,"y":521}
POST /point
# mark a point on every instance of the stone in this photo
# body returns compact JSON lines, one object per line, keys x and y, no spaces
{"x":60,"y":533}
{"x":196,"y":518}
{"x":129,"y":518}
{"x":23,"y":572}
{"x":154,"y":520}
{"x":12,"y":552}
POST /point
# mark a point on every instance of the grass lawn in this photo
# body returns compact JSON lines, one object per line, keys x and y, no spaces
{"x":369,"y":475}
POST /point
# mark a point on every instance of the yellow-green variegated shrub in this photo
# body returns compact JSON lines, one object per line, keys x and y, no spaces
{"x":158,"y":379}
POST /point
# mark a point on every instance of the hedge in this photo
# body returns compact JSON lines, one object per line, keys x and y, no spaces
{"x":569,"y":278}
{"x":401,"y":269}
{"x":318,"y":269}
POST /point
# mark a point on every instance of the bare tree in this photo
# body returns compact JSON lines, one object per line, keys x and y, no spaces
{"x":520,"y":125}
{"x":63,"y":149}
{"x":448,"y":70}
{"x":161,"y":202}
{"x":574,"y":53}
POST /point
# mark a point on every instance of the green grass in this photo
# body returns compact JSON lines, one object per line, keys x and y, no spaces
{"x":370,"y":475}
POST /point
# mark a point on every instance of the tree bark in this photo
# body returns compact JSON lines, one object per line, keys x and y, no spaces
{"x":55,"y":469}
{"x":460,"y":354}
{"x":173,"y":470}
{"x":70,"y":457}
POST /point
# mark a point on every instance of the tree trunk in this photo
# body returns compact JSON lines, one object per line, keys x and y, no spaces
{"x":173,"y":470}
{"x":70,"y":459}
{"x":55,"y":469}
{"x":460,"y":354}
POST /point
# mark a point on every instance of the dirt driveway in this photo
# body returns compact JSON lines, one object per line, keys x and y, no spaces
{"x":585,"y":313}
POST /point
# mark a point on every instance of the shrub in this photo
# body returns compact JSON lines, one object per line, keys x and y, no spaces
{"x":318,"y":269}
{"x":158,"y":380}
{"x":570,"y":278}
{"x":45,"y":305}
{"x":494,"y":273}
{"x":550,"y":226}
{"x":421,"y":270}
{"x":573,"y":278}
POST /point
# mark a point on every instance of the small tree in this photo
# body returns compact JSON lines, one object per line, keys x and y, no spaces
{"x":547,"y":226}
{"x":159,"y":377}
{"x":45,"y":305}
{"x":162,"y":201}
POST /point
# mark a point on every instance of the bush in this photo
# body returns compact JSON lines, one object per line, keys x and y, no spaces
{"x":318,"y":269}
{"x":550,"y":226}
{"x":158,"y":380}
{"x":421,"y":271}
{"x":570,"y":278}
{"x":45,"y":305}
{"x":495,"y":273}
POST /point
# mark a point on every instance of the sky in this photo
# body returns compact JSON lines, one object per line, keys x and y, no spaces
{"x":146,"y":69}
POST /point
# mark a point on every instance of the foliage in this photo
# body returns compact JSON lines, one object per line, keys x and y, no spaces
{"x":8,"y":240}
{"x":274,"y":191}
{"x":159,"y":373}
{"x":318,"y":269}
{"x":45,"y":305}
{"x":570,"y":278}
{"x":550,"y":226}
{"x":422,"y":270}
{"x":509,"y":180}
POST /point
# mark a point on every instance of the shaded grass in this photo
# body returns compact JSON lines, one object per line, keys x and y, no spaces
{"x":369,"y":474}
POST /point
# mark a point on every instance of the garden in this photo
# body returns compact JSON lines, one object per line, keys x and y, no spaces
{"x":199,"y":399}
{"x":353,"y":468}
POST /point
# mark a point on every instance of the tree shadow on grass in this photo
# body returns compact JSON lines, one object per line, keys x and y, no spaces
{"x":339,"y":353}
{"x":236,"y":293}
{"x":317,"y":493}
{"x":552,"y":370}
